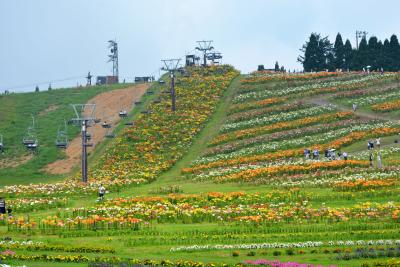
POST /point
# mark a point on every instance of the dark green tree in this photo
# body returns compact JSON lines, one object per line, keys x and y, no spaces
{"x":373,"y":53}
{"x":338,"y":51}
{"x":276,"y":66}
{"x":317,"y":53}
{"x":394,"y":54}
{"x":347,"y":55}
{"x":360,"y":59}
{"x":386,"y":55}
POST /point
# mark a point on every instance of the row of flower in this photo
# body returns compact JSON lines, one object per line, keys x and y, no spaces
{"x":285,"y":134}
{"x":280,"y":126}
{"x":256,"y":105}
{"x":263,"y":111}
{"x":114,"y":217}
{"x":317,"y":88}
{"x":290,"y":153}
{"x":264,"y":76}
{"x":307,"y":244}
{"x":281,"y":117}
{"x":377,"y":97}
{"x":34,"y":204}
{"x":36,"y":246}
{"x":323,"y":136}
{"x":387,"y":106}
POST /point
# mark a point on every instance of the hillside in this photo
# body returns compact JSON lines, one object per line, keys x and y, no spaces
{"x":225,"y":179}
{"x":50,"y":109}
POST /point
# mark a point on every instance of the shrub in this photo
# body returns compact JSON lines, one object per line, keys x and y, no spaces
{"x":290,"y":252}
{"x":276,"y":253}
{"x":251,"y":253}
{"x":235,"y":253}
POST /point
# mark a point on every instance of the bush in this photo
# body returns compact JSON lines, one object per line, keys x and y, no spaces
{"x":290,"y":252}
{"x":235,"y":253}
{"x":276,"y":253}
{"x":251,"y":253}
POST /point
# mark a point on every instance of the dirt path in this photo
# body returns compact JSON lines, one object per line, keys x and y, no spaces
{"x":324,"y":100}
{"x":108,"y":105}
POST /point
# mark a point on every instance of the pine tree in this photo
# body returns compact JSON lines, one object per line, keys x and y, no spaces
{"x":373,"y":53}
{"x":347,"y":55}
{"x":360,"y":59}
{"x":317,"y":53}
{"x":338,"y":51}
{"x":276,"y":66}
{"x":386,"y":55}
{"x":394,"y":53}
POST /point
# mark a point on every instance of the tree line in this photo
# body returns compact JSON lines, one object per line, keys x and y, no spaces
{"x":319,"y":54}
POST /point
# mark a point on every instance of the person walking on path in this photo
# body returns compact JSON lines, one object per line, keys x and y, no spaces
{"x":102,"y":191}
{"x":378,"y":142}
{"x":370,"y":160}
{"x":2,"y":206}
{"x":354,"y":107}
{"x":345,"y":155}
{"x":379,"y":158}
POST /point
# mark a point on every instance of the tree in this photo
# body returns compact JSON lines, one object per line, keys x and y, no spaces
{"x":373,"y":53}
{"x":260,"y":68}
{"x":347,"y":55}
{"x":394,"y":53}
{"x":276,"y":66}
{"x":317,"y":53}
{"x":360,"y":59}
{"x":338,"y":51}
{"x":386,"y":55}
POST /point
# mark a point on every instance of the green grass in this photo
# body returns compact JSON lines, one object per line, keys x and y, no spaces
{"x":15,"y":118}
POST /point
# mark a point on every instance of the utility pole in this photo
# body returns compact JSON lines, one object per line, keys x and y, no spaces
{"x":113,"y":57}
{"x":171,"y":65}
{"x":360,"y":34}
{"x":204,"y":46}
{"x":84,"y":118}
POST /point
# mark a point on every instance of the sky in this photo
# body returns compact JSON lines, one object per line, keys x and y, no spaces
{"x":59,"y":41}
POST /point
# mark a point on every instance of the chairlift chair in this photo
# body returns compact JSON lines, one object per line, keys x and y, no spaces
{"x":62,"y":137}
{"x":123,"y":114}
{"x":161,"y":82}
{"x":30,"y":140}
{"x":33,"y":146}
{"x":106,"y":125}
{"x":109,"y":134}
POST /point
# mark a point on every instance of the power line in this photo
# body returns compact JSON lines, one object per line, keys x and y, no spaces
{"x":42,"y":83}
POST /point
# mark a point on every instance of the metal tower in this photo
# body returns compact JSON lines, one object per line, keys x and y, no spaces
{"x":171,"y":65}
{"x":204,"y":46}
{"x":113,"y":57}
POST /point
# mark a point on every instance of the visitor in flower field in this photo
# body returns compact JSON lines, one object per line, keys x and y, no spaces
{"x":316,"y":154}
{"x":379,"y":159}
{"x":345,"y":155}
{"x":339,"y":154}
{"x":378,"y":142}
{"x":9,"y":211}
{"x":2,"y":206}
{"x":371,"y":158}
{"x":306,"y":153}
{"x":354,"y":107}
{"x":102,"y":191}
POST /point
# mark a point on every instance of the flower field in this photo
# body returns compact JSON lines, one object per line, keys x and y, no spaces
{"x":250,"y":170}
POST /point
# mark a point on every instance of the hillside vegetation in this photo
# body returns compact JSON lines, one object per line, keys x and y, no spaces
{"x":225,"y":179}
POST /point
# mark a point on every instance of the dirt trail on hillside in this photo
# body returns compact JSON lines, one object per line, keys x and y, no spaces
{"x":108,"y":105}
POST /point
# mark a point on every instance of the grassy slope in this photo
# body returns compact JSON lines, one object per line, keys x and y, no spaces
{"x":15,"y":117}
{"x":173,"y":177}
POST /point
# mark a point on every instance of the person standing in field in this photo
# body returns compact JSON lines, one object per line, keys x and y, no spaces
{"x":379,"y":158}
{"x":345,"y":155}
{"x":102,"y":191}
{"x":354,"y":107}
{"x":370,"y":159}
{"x":2,"y":206}
{"x":378,"y":142}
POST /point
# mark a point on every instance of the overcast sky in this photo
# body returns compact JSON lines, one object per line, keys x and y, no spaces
{"x":49,"y":40}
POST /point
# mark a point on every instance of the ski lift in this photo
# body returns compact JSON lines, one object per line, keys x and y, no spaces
{"x":138,"y":102}
{"x":129,"y":123}
{"x":88,"y":136}
{"x":161,"y":82}
{"x":106,"y":125}
{"x":150,"y":92}
{"x":123,"y":113}
{"x":145,"y":111}
{"x":1,"y":143}
{"x":157,"y":101}
{"x":30,"y":140}
{"x":62,"y":137}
